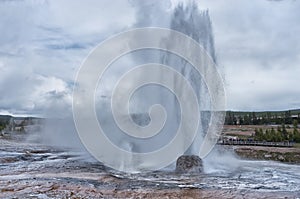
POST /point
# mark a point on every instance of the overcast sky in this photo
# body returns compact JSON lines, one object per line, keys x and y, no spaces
{"x":43,"y":43}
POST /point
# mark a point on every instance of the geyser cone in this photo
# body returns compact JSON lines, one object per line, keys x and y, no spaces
{"x":189,"y":164}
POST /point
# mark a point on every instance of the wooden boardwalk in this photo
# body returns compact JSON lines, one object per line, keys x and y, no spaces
{"x":256,"y":143}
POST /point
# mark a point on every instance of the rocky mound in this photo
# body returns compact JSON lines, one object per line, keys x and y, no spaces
{"x":189,"y":164}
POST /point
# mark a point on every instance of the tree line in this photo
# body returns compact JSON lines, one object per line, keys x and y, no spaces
{"x":282,"y":133}
{"x":261,"y":118}
{"x":3,"y":124}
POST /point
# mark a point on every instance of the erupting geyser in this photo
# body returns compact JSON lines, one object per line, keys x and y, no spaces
{"x":197,"y":25}
{"x":194,"y":23}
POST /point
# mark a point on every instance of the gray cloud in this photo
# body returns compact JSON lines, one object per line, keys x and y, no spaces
{"x":258,"y":45}
{"x":43,"y":43}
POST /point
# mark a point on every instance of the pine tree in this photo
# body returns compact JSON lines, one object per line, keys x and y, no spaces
{"x":284,"y":132}
{"x":296,"y":134}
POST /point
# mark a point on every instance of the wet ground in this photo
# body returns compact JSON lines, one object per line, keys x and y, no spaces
{"x":31,"y":170}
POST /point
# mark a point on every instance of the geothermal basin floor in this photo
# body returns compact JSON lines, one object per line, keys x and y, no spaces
{"x":31,"y":170}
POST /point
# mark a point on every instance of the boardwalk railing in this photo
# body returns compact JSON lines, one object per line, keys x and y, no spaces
{"x":255,"y":143}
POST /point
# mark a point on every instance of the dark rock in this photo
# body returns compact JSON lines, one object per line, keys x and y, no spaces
{"x":189,"y":164}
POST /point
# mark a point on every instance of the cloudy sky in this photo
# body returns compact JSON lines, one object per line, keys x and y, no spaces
{"x":43,"y":43}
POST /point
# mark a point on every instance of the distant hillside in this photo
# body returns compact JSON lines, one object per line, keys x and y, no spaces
{"x":232,"y":118}
{"x":261,"y":113}
{"x":10,"y":122}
